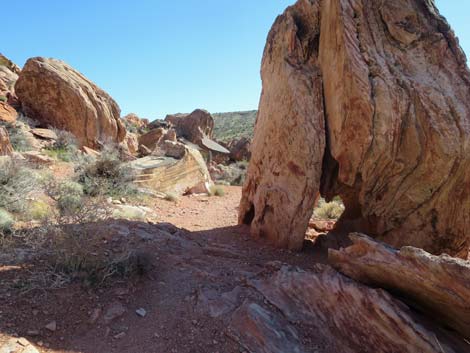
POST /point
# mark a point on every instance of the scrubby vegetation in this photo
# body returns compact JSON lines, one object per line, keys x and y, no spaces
{"x":229,"y":126}
{"x":329,"y":210}
{"x":16,"y":183}
{"x":106,"y":176}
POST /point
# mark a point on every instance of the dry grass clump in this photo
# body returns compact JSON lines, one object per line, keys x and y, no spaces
{"x":329,"y":210}
{"x":216,"y":190}
{"x":171,"y":196}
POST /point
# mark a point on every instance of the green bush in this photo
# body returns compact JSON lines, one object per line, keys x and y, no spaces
{"x":3,"y":99}
{"x":6,"y":221}
{"x":329,"y":210}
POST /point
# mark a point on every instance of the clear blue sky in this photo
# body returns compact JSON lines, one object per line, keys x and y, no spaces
{"x":163,"y":56}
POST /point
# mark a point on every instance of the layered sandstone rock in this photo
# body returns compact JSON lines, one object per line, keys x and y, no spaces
{"x":187,"y":174}
{"x":367,"y":100}
{"x":443,"y":288}
{"x":56,"y":95}
{"x":5,"y":146}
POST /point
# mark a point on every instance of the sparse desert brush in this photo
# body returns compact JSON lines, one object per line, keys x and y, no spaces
{"x":19,"y":139}
{"x":329,"y":210}
{"x":6,"y":221}
{"x":107,"y":176}
{"x":3,"y":99}
{"x":216,"y":190}
{"x":16,"y":183}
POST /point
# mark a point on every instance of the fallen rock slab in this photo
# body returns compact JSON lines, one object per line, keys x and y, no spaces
{"x":439,"y":285}
{"x":56,"y":95}
{"x":188,"y":174}
{"x":47,"y":134}
{"x":351,"y":316}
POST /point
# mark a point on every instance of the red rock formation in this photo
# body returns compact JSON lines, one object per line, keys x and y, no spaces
{"x":55,"y":94}
{"x":367,"y":100}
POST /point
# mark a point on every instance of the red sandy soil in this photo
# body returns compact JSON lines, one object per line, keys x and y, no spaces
{"x":214,"y":255}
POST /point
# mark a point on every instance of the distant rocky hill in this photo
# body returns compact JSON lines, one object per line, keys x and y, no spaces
{"x":233,"y":125}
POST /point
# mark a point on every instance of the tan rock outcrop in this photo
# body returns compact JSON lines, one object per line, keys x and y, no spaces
{"x":56,"y":95}
{"x":438,"y":285}
{"x":132,"y":141}
{"x":5,"y":146}
{"x":367,"y":100}
{"x":9,"y":72}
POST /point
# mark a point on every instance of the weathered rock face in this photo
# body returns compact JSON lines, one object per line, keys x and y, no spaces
{"x":401,"y":270}
{"x":5,"y":146}
{"x":8,"y":75}
{"x":367,"y":100}
{"x":193,"y":127}
{"x":55,"y":94}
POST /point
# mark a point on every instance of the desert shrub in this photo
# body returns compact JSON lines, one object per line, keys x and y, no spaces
{"x":16,"y":183}
{"x":329,"y":210}
{"x":6,"y":221}
{"x":38,"y":210}
{"x":67,"y":194}
{"x":171,"y":196}
{"x":216,"y":190}
{"x":3,"y":99}
{"x":107,"y":175}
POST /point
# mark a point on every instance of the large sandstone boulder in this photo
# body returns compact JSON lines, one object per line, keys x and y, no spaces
{"x":367,"y":100}
{"x":185,"y":174}
{"x":5,"y":146}
{"x":194,"y":127}
{"x":56,"y":95}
